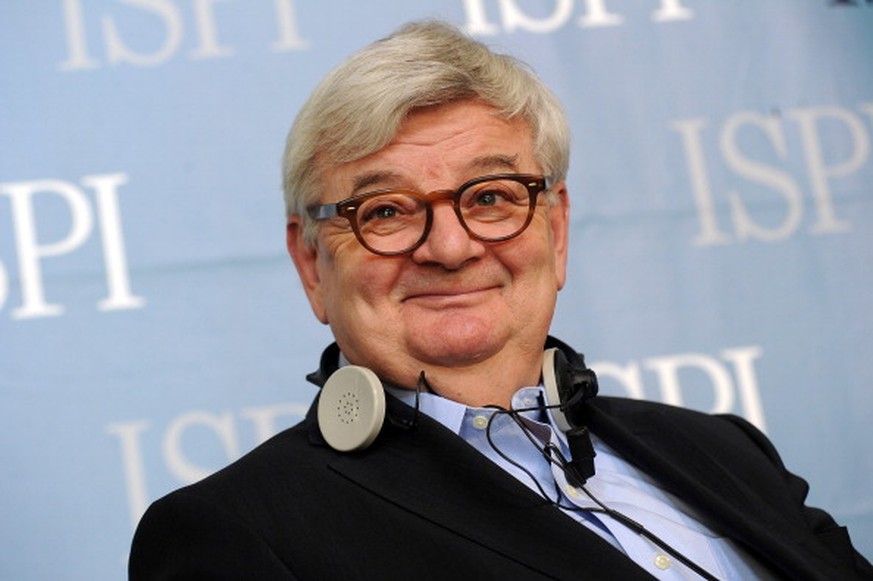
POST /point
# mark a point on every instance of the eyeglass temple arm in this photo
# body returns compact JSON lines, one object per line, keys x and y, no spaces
{"x":322,"y":212}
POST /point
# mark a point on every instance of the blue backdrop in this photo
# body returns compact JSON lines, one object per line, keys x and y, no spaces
{"x":152,"y":327}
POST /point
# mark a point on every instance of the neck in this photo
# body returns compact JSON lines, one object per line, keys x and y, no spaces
{"x":491,"y":382}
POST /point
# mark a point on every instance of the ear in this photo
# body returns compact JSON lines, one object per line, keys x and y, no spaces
{"x":305,"y":257}
{"x":559,"y":219}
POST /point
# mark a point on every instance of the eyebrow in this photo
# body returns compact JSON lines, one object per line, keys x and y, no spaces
{"x":494,"y":162}
{"x":373,"y":178}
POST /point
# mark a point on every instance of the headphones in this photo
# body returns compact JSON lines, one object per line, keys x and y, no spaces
{"x":352,"y":406}
{"x":352,"y":409}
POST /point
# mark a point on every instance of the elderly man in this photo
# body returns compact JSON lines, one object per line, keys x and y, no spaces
{"x":453,"y":439}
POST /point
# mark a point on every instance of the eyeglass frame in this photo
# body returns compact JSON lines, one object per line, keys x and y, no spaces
{"x":347,"y":208}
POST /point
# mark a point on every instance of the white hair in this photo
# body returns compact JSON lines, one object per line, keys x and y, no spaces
{"x":358,"y":107}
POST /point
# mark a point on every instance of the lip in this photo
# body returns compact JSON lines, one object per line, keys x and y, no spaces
{"x":450,"y":297}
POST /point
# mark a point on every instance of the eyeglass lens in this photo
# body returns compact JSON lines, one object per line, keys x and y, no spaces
{"x":492,"y":210}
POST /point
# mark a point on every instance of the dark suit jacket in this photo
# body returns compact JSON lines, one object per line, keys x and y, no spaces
{"x":421,"y":503}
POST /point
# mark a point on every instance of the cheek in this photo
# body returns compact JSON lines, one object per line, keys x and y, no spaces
{"x":356,"y":283}
{"x":534,"y":258}
{"x":538,"y":278}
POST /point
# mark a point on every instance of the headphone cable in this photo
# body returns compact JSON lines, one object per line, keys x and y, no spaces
{"x":554,"y":456}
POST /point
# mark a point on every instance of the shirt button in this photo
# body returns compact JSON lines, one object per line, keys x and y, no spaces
{"x":662,"y":562}
{"x":572,"y":491}
{"x":480,"y":422}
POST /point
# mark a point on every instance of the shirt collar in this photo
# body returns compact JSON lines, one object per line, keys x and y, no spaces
{"x":451,"y":413}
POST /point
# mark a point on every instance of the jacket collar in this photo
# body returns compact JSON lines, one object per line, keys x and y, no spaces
{"x":430,"y":472}
{"x":739,"y":504}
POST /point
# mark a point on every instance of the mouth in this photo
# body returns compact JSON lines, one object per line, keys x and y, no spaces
{"x":449,"y":298}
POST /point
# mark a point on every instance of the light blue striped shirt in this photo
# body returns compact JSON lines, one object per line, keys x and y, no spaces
{"x":617,"y":484}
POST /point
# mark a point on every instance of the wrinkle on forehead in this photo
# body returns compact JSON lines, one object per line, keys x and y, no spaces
{"x":441,"y":147}
{"x":376,"y":179}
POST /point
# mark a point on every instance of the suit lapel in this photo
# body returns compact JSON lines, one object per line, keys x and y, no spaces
{"x":435,"y":475}
{"x":733,"y":506}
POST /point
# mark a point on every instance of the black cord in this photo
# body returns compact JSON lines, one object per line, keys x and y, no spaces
{"x":409,"y":424}
{"x":517,"y":464}
{"x":422,"y":382}
{"x":553,"y":455}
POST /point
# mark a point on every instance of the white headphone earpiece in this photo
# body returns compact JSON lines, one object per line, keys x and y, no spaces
{"x":553,"y":397}
{"x":351,"y":408}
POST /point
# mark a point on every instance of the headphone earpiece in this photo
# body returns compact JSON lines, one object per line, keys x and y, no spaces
{"x":553,"y":394}
{"x":351,"y":408}
{"x":566,"y":386}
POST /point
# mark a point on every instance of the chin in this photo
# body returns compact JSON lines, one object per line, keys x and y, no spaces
{"x":454,"y":345}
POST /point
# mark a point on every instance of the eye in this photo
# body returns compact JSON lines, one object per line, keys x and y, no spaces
{"x":389,"y":212}
{"x":384,"y":208}
{"x":381,"y":213}
{"x":487,"y":198}
{"x":492,"y":195}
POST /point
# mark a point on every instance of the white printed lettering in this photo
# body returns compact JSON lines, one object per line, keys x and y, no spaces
{"x":754,"y":171}
{"x":208,"y":36}
{"x":813,"y":142}
{"x":667,"y":370}
{"x":132,"y":464}
{"x":179,"y":465}
{"x":4,"y":286}
{"x":672,"y":10}
{"x":31,"y":252}
{"x":115,"y":257}
{"x":264,"y":418}
{"x":595,"y":14}
{"x":819,"y":171}
{"x":76,"y":38}
{"x":690,"y":130}
{"x":743,"y":359}
{"x":515,"y":19}
{"x":289,"y":37}
{"x":166,"y":22}
{"x":477,"y":20}
{"x":668,"y":376}
{"x":118,"y":52}
{"x":628,"y":376}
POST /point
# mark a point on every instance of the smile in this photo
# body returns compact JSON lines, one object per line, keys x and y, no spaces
{"x":453,"y":298}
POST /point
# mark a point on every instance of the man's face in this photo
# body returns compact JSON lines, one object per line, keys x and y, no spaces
{"x":453,"y":303}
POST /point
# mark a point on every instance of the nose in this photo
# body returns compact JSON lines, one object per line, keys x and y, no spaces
{"x":447,"y":244}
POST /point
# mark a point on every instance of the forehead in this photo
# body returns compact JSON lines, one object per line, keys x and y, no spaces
{"x":439,"y":147}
